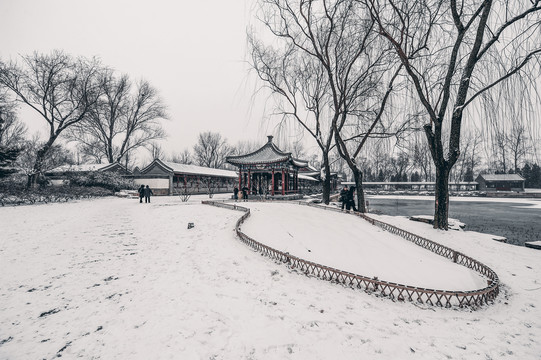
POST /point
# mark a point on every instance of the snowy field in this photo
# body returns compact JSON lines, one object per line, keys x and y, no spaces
{"x":115,"y":279}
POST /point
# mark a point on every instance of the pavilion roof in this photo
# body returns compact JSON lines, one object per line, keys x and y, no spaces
{"x":267,"y":154}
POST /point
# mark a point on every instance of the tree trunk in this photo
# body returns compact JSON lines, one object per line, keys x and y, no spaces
{"x":441,"y":209}
{"x":327,"y":181}
{"x":38,"y":164}
{"x":358,"y":177}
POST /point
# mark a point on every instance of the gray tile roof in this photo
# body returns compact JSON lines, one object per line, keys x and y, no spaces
{"x":502,"y":177}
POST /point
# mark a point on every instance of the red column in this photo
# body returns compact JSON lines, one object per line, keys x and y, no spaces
{"x":272,"y":191}
{"x":283,"y":182}
{"x":240,"y":179}
{"x":249,"y":188}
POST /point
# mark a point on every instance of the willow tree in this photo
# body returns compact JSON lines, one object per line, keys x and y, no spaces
{"x":453,"y":52}
{"x":328,"y":63}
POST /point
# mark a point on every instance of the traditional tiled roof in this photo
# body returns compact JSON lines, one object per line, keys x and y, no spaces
{"x":191,"y":169}
{"x":79,"y":168}
{"x":83,"y":168}
{"x":502,"y":177}
{"x":267,"y":154}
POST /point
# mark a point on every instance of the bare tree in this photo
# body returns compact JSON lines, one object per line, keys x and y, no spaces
{"x":328,"y":72}
{"x":123,"y":120}
{"x":297,"y":82}
{"x":60,"y":89}
{"x":184,"y":157}
{"x":469,"y":157}
{"x":244,"y":147}
{"x":448,"y":49}
{"x":156,"y":151}
{"x":421,"y":159}
{"x":211,"y":150}
{"x":55,"y":156}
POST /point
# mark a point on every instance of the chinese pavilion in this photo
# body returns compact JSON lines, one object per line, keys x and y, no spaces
{"x":268,"y":169}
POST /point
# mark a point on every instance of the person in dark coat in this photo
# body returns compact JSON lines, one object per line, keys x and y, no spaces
{"x":343,"y":196}
{"x":148,"y":192}
{"x":141,"y":191}
{"x":244,"y":193}
{"x":236,"y":193}
{"x":350,"y":199}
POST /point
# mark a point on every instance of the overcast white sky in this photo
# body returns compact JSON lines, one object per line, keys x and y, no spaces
{"x":193,"y":52}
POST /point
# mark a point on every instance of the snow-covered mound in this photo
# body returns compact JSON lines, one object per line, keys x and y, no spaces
{"x":351,"y":244}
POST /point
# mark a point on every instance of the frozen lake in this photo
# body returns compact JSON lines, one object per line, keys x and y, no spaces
{"x":516,"y":220}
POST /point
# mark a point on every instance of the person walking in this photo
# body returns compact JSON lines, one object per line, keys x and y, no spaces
{"x":148,"y":192}
{"x":343,"y":196}
{"x":244,"y":193}
{"x":350,"y":199}
{"x":141,"y":191}
{"x":236,"y":193}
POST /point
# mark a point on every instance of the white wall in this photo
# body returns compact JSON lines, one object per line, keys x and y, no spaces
{"x":153,"y":183}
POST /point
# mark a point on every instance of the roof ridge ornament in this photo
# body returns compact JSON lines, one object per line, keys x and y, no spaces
{"x":270,"y":137}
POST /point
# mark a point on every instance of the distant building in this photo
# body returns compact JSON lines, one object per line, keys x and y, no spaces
{"x":500,"y":182}
{"x":169,"y":178}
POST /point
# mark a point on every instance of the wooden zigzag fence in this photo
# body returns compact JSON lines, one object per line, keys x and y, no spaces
{"x":391,"y":290}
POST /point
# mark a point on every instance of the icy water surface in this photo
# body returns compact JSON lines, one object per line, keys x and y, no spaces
{"x":518,"y":222}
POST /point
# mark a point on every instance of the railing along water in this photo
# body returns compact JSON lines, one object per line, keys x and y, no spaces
{"x":394,"y":291}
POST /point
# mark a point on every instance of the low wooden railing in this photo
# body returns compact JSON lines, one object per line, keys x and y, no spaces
{"x":394,"y":291}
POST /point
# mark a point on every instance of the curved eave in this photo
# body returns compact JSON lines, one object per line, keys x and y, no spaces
{"x":299,"y":163}
{"x":273,"y":161}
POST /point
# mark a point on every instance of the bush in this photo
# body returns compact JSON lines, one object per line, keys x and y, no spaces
{"x":13,"y":190}
{"x":107,"y":180}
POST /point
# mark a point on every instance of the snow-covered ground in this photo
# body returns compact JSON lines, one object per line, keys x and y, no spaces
{"x":335,"y":240}
{"x":115,"y":279}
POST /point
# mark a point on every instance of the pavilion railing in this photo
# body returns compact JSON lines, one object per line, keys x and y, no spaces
{"x":391,"y":290}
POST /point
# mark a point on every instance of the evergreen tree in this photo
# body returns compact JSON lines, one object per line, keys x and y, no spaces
{"x":7,"y":157}
{"x":535,"y":177}
{"x":526,"y":173}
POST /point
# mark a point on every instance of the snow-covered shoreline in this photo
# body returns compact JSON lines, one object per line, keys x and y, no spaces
{"x":112,"y":278}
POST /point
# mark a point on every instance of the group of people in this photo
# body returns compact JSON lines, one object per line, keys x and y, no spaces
{"x":347,"y":198}
{"x":144,"y":192}
{"x":243,"y":192}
